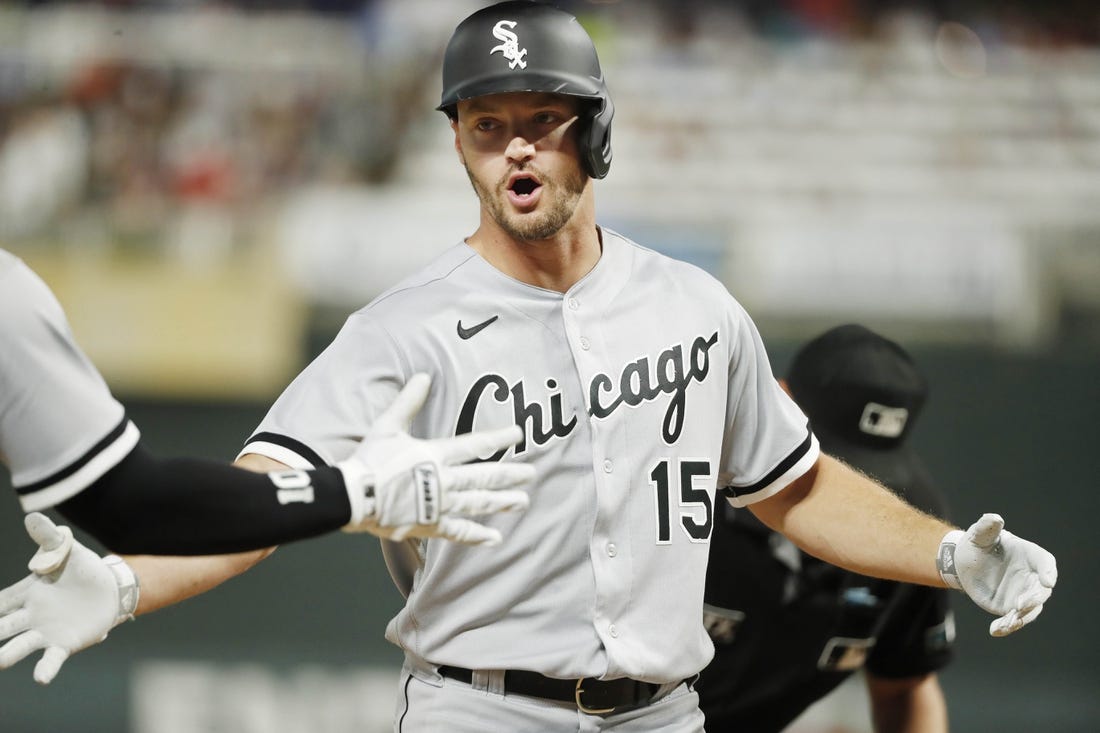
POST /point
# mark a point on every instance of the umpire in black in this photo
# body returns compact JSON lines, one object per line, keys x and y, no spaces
{"x":788,"y":628}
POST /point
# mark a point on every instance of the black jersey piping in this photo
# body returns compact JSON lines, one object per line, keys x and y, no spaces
{"x":79,"y":463}
{"x":785,"y":465}
{"x":297,"y":447}
{"x":401,"y":721}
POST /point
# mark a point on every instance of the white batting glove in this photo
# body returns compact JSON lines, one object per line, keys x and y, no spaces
{"x":1005,"y":575}
{"x":69,"y":602}
{"x":401,"y":487}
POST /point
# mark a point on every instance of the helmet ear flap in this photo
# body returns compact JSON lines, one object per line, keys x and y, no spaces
{"x":596,"y":137}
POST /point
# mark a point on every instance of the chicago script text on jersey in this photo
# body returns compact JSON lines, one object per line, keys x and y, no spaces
{"x":642,"y":380}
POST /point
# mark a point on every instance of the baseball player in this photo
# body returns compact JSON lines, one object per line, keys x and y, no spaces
{"x":69,"y":445}
{"x":788,"y":628}
{"x":645,"y":397}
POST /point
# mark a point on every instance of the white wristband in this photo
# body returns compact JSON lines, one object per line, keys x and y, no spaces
{"x":945,"y":558}
{"x":359,"y":484}
{"x":129,"y":588}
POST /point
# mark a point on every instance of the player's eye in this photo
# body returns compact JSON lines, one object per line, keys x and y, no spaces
{"x":548,"y":117}
{"x":486,"y":125}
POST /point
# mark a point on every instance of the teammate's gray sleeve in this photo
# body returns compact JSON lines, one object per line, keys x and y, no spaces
{"x":60,"y":427}
{"x":763,"y":422}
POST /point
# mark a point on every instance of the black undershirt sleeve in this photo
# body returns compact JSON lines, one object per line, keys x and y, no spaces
{"x":187,"y":506}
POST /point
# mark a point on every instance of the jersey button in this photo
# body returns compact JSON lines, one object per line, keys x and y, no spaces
{"x":614,"y":631}
{"x":585,"y":344}
{"x":608,"y":466}
{"x":612,"y":551}
{"x":574,"y":304}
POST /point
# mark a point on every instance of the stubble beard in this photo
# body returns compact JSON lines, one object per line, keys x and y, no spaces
{"x":562,"y":196}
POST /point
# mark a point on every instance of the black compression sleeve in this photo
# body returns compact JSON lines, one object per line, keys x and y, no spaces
{"x":186,"y":506}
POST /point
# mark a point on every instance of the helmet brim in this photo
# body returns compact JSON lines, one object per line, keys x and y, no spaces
{"x":485,"y":85}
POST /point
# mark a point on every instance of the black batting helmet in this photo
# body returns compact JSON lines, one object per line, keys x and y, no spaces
{"x":524,"y":46}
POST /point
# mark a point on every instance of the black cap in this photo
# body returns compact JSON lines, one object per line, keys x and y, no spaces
{"x":862,"y":393}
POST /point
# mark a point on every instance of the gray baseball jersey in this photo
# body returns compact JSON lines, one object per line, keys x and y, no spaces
{"x":60,"y":428}
{"x":640,"y":390}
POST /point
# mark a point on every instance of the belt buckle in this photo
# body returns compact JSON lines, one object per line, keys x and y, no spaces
{"x":584,"y":708}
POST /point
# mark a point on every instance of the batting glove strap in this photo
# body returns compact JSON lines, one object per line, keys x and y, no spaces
{"x":945,"y":559}
{"x":129,"y":588}
{"x":399,"y":486}
{"x":359,"y":483}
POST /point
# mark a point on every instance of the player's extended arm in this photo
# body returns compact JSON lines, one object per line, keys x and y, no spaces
{"x":842,"y":517}
{"x":907,"y":705}
{"x":403,"y":487}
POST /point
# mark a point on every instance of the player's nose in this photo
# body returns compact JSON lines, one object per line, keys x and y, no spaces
{"x":519,"y":149}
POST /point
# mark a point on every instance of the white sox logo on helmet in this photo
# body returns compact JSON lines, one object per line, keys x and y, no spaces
{"x":509,"y":49}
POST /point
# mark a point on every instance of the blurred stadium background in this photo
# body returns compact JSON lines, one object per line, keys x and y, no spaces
{"x":211,"y":187}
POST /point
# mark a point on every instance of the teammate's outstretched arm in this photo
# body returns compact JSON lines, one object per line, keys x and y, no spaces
{"x":842,"y":517}
{"x":393,"y":486}
{"x":398,"y":486}
{"x":68,"y":444}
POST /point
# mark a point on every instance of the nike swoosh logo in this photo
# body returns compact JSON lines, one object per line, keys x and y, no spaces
{"x":465,"y":333}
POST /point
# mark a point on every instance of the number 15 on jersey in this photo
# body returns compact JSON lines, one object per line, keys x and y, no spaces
{"x":695,"y":502}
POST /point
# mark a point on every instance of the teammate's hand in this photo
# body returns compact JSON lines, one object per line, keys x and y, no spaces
{"x":401,"y":487}
{"x":69,"y":602}
{"x":1005,"y":575}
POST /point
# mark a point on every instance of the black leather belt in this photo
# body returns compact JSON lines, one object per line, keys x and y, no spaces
{"x":592,"y":696}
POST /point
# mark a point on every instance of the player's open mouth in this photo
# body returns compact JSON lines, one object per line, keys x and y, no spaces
{"x":524,"y":190}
